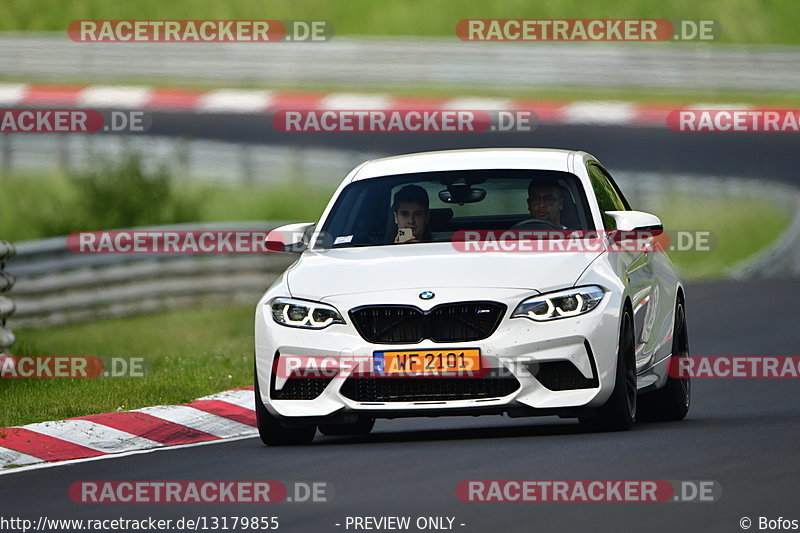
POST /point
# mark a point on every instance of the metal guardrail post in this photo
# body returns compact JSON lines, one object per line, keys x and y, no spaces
{"x":6,"y":160}
{"x":6,"y":304}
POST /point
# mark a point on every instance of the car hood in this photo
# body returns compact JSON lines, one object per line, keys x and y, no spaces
{"x":320,"y":274}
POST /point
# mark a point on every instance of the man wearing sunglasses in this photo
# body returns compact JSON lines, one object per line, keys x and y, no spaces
{"x":545,"y":201}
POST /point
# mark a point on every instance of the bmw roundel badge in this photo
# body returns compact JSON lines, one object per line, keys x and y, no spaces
{"x":426,"y":295}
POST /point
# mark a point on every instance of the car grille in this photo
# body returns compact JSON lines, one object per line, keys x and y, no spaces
{"x":421,"y":389}
{"x":454,"y":322}
{"x":389,"y":324}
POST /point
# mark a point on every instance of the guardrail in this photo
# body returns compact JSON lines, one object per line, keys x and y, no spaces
{"x":6,"y":304}
{"x":370,"y":62}
{"x":56,"y":286}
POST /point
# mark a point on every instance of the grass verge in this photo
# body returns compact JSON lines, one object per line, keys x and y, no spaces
{"x":63,"y":209}
{"x":739,"y":227}
{"x":742,"y":21}
{"x":190,"y":353}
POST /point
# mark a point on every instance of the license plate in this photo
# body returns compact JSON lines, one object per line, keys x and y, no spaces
{"x":452,"y":361}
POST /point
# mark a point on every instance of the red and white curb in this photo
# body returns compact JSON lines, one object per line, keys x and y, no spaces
{"x":219,"y":416}
{"x":262,"y":101}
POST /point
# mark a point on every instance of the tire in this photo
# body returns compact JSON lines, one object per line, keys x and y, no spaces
{"x":672,"y":401}
{"x":271,"y":430}
{"x":362,"y":427}
{"x":619,"y":411}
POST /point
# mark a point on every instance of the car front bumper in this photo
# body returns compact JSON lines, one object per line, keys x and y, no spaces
{"x":518,"y":348}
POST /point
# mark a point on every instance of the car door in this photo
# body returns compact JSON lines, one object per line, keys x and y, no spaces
{"x":637,"y":265}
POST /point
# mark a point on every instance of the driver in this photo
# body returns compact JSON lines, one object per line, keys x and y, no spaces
{"x":411,"y":211}
{"x":545,"y":200}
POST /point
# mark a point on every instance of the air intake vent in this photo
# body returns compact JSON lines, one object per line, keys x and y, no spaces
{"x":422,"y":389}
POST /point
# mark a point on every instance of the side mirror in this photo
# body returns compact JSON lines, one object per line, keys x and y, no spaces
{"x":636,"y":221}
{"x":637,"y":231}
{"x":293,"y":238}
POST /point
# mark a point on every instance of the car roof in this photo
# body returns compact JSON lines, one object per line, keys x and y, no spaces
{"x":471,"y":159}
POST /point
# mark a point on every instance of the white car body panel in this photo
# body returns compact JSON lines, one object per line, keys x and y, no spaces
{"x":379,"y":268}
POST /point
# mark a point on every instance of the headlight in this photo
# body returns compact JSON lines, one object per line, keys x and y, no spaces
{"x":561,"y":304}
{"x":304,"y":314}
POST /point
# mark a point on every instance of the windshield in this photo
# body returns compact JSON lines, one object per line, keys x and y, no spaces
{"x":440,"y":206}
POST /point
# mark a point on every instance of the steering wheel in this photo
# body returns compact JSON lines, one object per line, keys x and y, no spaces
{"x":533,"y":221}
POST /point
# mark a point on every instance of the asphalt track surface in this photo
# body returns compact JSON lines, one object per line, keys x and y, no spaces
{"x":741,"y":433}
{"x":657,"y":149}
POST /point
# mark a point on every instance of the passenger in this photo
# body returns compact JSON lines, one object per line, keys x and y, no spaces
{"x":411,"y":211}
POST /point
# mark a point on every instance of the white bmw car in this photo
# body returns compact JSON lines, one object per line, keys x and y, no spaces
{"x":446,"y":283}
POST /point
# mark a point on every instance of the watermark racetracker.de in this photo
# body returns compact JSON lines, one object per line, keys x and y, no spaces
{"x":735,"y":366}
{"x":73,"y":121}
{"x":72,"y":367}
{"x":203,"y":491}
{"x":174,"y":242}
{"x":579,"y":241}
{"x":588,"y":30}
{"x":199,"y":31}
{"x":588,"y":491}
{"x":734,"y":120}
{"x":404,"y":121}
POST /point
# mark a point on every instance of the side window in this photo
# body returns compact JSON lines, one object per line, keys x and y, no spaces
{"x":617,"y":191}
{"x":607,"y":197}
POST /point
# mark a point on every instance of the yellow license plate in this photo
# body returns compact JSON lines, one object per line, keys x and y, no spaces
{"x":461,"y":360}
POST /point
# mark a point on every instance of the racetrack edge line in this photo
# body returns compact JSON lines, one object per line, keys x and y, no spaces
{"x":15,"y":470}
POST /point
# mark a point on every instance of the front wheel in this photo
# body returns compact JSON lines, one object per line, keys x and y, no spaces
{"x":672,"y":401}
{"x":271,"y":430}
{"x":618,"y":413}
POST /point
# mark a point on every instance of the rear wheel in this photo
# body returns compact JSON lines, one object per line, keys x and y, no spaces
{"x":271,"y":430}
{"x":362,"y":427}
{"x":618,"y":413}
{"x":672,"y":401}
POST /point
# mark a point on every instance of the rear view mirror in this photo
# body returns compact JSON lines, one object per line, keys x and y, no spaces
{"x":461,"y":193}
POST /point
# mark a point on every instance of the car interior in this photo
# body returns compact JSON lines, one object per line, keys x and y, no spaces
{"x":364,"y":216}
